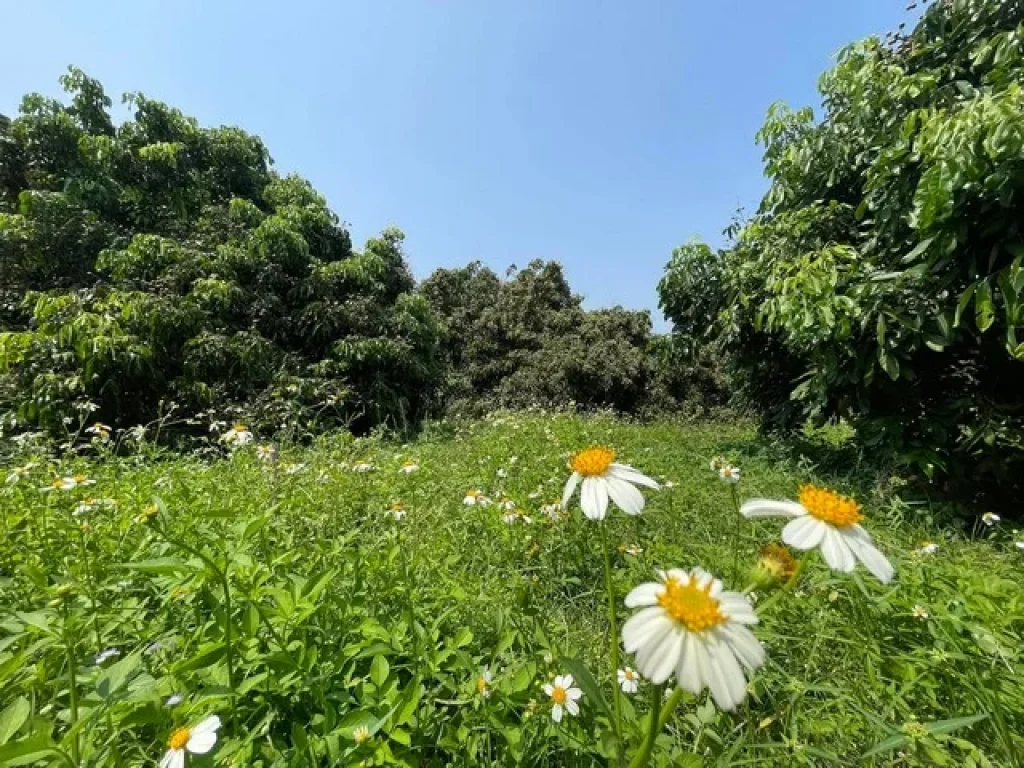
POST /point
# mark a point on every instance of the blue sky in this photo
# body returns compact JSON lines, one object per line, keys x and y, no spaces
{"x":601,"y":134}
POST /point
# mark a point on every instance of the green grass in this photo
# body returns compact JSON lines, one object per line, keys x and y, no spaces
{"x":341,"y":617}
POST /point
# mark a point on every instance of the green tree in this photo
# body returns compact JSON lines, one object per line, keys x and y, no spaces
{"x":159,"y":261}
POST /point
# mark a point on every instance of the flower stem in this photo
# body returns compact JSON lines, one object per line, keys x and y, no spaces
{"x":736,"y":533}
{"x":641,"y":758}
{"x":70,"y":646}
{"x":613,"y":639}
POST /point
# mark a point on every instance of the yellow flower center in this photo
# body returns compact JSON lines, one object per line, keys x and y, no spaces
{"x":240,"y":428}
{"x":629,"y":674}
{"x":829,"y":506}
{"x":179,"y":738}
{"x":80,"y":478}
{"x":593,"y":462}
{"x":57,"y":483}
{"x":481,"y":684}
{"x":558,"y":695}
{"x":691,"y":605}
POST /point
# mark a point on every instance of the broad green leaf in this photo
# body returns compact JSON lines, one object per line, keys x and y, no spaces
{"x":961,"y":306}
{"x":206,"y":657}
{"x":889,"y":364}
{"x":28,"y":750}
{"x":161,"y":565}
{"x":984,"y":312}
{"x":587,"y":683}
{"x":379,"y":669}
{"x":114,"y":677}
{"x":13,"y":717}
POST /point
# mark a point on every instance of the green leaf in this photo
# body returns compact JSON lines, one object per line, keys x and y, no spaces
{"x":463,"y":637}
{"x":880,"y":330}
{"x":114,"y":677}
{"x":207,"y":656}
{"x":587,"y":683}
{"x":161,"y":565}
{"x":27,"y":751}
{"x":13,"y":717}
{"x":961,"y":306}
{"x":898,"y":740}
{"x":889,"y":364}
{"x":379,"y":669}
{"x":984,"y":312}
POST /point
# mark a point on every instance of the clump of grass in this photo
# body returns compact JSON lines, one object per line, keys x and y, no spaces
{"x":286,"y":597}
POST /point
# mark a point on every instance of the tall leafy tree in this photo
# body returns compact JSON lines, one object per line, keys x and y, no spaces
{"x":158,"y":261}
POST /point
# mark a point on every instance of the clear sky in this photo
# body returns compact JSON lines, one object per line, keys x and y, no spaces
{"x":601,"y":134}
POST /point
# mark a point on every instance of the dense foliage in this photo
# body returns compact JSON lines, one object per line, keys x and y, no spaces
{"x":527,"y":340}
{"x":158,"y":263}
{"x":882,"y":278}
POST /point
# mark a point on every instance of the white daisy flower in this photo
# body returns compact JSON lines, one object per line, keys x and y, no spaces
{"x":631,"y":549}
{"x":397,"y":510}
{"x":506,"y":503}
{"x":927,"y":548}
{"x":920,"y":612}
{"x":409,"y":467}
{"x":198,"y":740}
{"x":516,"y":516}
{"x":729,"y":474}
{"x":990,"y":519}
{"x":483,"y":682}
{"x":237,"y":436}
{"x":827,"y":520}
{"x":474,"y":497}
{"x":603,"y":478}
{"x":101,"y":431}
{"x":629,"y":680}
{"x":691,"y":627}
{"x":1019,"y":545}
{"x":502,"y":473}
{"x":563,"y":697}
{"x":84,"y":507}
{"x":266,"y":453}
{"x":362,"y":466}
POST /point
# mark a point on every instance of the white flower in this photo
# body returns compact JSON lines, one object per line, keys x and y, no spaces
{"x":516,"y":516}
{"x":63,"y":484}
{"x":293,"y":469}
{"x":18,"y":472}
{"x":362,"y":466}
{"x":669,"y":484}
{"x":827,"y":520}
{"x":502,"y":473}
{"x":691,"y":627}
{"x":84,"y":507}
{"x":483,"y":682}
{"x":990,"y":519}
{"x":553,"y":510}
{"x":106,"y":655}
{"x":361,"y":734}
{"x":506,"y":503}
{"x":920,"y":612}
{"x":237,"y":436}
{"x":629,"y":680}
{"x":603,"y":478}
{"x":563,"y":697}
{"x":474,"y":497}
{"x":198,"y":740}
{"x":631,"y":549}
{"x":397,"y":510}
{"x":266,"y":453}
{"x":174,"y":700}
{"x":729,"y":474}
{"x":1019,"y":545}
{"x":927,"y":548}
{"x":101,"y":431}
{"x":409,"y":467}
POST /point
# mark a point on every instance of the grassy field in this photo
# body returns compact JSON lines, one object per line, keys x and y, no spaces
{"x":284,"y":597}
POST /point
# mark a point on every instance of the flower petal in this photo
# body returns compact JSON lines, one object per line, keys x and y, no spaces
{"x":630,"y":475}
{"x":867,"y":553}
{"x":748,"y":650}
{"x":644,"y":594}
{"x":173,"y":758}
{"x":804,"y":532}
{"x":594,"y":498}
{"x":629,"y":499}
{"x":548,"y":689}
{"x":201,"y":743}
{"x":657,"y":661}
{"x":573,"y":707}
{"x":753,"y":508}
{"x":556,"y":713}
{"x":737,"y":608}
{"x":691,"y":671}
{"x":836,"y":551}
{"x":570,"y":488}
{"x":647,"y":626}
{"x":209,"y":724}
{"x":573,"y":693}
{"x":727,"y":683}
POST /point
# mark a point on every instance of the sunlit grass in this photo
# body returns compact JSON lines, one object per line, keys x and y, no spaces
{"x":343,"y":617}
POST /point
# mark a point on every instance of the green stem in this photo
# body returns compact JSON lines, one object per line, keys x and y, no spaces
{"x":613,"y":638}
{"x":90,"y":582}
{"x":72,"y":689}
{"x":642,"y":757}
{"x":222,"y":577}
{"x":736,"y":533}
